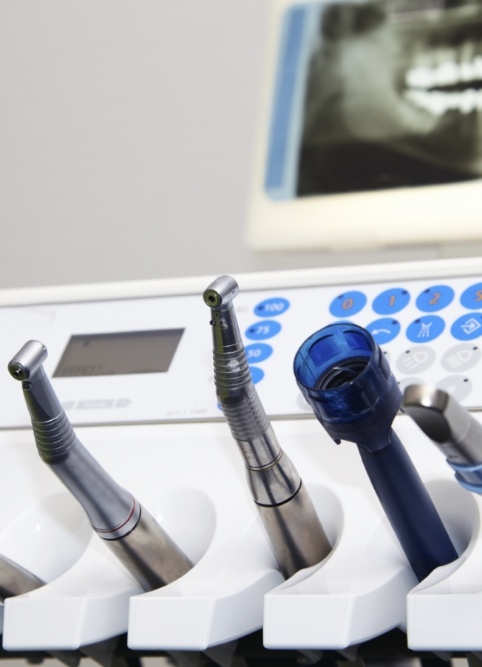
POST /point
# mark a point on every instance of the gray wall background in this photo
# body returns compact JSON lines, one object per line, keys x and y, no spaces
{"x":126,"y":137}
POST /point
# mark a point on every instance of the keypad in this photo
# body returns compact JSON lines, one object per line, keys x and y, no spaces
{"x":429,"y":330}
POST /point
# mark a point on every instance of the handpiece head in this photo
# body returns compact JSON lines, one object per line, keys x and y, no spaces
{"x":28,"y":360}
{"x":450,"y":426}
{"x":220,"y":293}
{"x":346,"y":379}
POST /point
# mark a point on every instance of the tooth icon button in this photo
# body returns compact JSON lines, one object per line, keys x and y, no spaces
{"x":461,"y":357}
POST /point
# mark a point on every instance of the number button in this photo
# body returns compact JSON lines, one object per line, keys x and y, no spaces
{"x":435,"y":298}
{"x":391,"y":301}
{"x":347,"y":304}
{"x":258,"y":352}
{"x":472,"y":297}
{"x":263,"y":330}
{"x":272,"y":307}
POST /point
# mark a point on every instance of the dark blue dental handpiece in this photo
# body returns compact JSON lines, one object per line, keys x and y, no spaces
{"x":346,"y":379}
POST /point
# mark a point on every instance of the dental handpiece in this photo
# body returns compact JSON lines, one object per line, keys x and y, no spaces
{"x":134,"y":536}
{"x":15,"y":579}
{"x":284,"y":505}
{"x":346,"y":379}
{"x":451,"y":427}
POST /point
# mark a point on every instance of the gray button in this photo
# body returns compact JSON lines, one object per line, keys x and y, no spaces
{"x":456,"y":385}
{"x":461,"y":357}
{"x":95,"y":404}
{"x":416,"y":359}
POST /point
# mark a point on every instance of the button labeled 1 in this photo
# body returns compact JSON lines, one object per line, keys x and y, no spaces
{"x":391,"y":301}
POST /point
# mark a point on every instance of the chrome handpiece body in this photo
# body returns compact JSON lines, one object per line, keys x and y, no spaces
{"x":15,"y":579}
{"x":451,"y":427}
{"x":285,"y":507}
{"x":346,"y":379}
{"x":116,"y":516}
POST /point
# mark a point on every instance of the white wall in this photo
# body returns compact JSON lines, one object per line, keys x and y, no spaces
{"x":126,"y":136}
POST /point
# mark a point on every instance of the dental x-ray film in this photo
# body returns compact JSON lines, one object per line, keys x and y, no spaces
{"x":377,"y":94}
{"x":372,"y":115}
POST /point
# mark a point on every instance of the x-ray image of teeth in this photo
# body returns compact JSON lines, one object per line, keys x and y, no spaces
{"x":388,"y":94}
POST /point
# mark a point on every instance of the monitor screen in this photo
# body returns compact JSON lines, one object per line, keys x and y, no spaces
{"x":119,"y":353}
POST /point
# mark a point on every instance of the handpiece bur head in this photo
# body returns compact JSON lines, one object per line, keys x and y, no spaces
{"x":220,"y":293}
{"x":28,"y":360}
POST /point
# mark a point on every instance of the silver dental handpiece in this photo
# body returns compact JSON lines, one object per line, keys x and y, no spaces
{"x":285,"y":507}
{"x":137,"y":540}
{"x":456,"y":432}
{"x":15,"y":579}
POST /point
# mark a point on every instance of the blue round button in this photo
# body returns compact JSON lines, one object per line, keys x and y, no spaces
{"x":257,"y":374}
{"x":384,"y":330}
{"x":347,"y":304}
{"x":391,"y":301}
{"x":472,"y":297}
{"x":467,"y":327}
{"x":263,"y":330}
{"x":272,"y":307}
{"x":425,"y":329}
{"x":258,"y":352}
{"x":435,"y":298}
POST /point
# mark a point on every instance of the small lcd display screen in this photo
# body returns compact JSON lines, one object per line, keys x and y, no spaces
{"x":119,"y":353}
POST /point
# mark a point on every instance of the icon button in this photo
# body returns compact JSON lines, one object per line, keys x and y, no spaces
{"x":425,"y":329}
{"x":467,"y":327}
{"x":416,"y":359}
{"x":384,"y":330}
{"x":461,"y":357}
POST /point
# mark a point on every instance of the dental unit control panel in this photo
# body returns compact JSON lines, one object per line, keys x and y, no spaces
{"x":130,"y":372}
